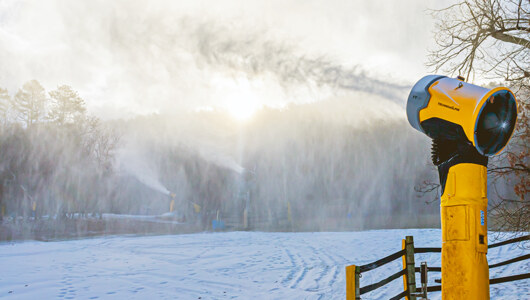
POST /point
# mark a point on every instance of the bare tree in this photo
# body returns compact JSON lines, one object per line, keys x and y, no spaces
{"x":100,"y":142}
{"x":491,"y":39}
{"x":484,"y":37}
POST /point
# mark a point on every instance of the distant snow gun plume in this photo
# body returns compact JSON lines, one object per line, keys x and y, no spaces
{"x":220,"y":159}
{"x":133,"y":164}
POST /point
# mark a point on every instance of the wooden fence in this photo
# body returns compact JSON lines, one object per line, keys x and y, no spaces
{"x":408,"y":273}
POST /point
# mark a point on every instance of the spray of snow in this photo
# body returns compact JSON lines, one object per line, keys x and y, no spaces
{"x":220,"y":159}
{"x":134,"y":164}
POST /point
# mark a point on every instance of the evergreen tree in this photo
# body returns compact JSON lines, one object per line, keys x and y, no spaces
{"x":5,"y":105}
{"x":30,"y":103}
{"x":67,"y":106}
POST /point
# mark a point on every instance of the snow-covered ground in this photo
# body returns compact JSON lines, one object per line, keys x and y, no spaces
{"x":243,"y":265}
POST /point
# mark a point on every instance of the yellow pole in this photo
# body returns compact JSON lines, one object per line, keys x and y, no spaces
{"x":465,"y":273}
{"x":405,"y":285}
{"x":245,"y":218}
{"x":171,"y":205}
{"x":352,"y":283}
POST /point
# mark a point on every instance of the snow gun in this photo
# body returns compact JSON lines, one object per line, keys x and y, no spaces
{"x":172,"y":196}
{"x":467,"y":124}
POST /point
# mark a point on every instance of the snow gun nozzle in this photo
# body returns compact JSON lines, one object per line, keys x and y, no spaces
{"x":172,"y":195}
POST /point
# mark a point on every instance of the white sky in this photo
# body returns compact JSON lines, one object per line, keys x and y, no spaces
{"x":138,"y":57}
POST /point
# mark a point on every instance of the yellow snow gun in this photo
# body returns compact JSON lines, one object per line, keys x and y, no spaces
{"x":467,"y":124}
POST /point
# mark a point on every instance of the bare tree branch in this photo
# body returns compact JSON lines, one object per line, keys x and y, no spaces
{"x":491,"y":39}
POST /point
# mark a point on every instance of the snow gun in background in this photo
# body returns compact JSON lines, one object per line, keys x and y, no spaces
{"x":173,"y":196}
{"x":467,"y":123}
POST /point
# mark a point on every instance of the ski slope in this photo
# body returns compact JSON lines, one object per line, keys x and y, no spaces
{"x":229,"y":265}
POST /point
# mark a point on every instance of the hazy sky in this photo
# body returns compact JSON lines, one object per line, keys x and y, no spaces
{"x":138,"y":57}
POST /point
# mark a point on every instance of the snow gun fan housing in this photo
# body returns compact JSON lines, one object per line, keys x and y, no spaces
{"x":451,"y":110}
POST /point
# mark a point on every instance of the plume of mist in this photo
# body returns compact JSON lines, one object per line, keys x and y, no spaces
{"x":253,"y":54}
{"x":135,"y":164}
{"x":220,"y":159}
{"x":128,"y":58}
{"x":187,"y":132}
{"x":343,"y":143}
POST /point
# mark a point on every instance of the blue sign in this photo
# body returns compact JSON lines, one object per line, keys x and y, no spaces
{"x":482,"y":218}
{"x":218,"y":224}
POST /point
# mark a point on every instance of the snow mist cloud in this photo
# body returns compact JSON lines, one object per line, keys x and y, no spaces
{"x":132,"y":57}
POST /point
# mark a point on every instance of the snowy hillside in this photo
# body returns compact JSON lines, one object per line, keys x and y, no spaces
{"x":242,"y":265}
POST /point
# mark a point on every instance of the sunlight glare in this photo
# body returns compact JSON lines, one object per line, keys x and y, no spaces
{"x":241,"y":100}
{"x":242,"y":109}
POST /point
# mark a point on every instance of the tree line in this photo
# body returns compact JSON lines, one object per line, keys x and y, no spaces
{"x":308,"y":166}
{"x":55,"y":158}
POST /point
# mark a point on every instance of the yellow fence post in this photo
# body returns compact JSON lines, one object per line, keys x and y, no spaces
{"x":352,"y":283}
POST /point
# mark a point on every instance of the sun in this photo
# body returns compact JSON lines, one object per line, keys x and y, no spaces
{"x":241,"y":98}
{"x":242,"y":110}
{"x":242,"y":103}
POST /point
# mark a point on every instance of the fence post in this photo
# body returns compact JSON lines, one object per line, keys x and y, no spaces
{"x":409,"y":279}
{"x":424,"y":271}
{"x":352,"y":283}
